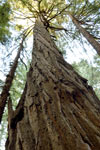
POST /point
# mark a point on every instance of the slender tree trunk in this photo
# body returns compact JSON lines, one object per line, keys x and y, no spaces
{"x":8,"y":83}
{"x":61,"y":112}
{"x":86,"y":34}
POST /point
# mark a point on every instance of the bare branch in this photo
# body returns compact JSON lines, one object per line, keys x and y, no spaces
{"x":50,"y":10}
{"x":39,"y":3}
{"x":59,"y":12}
{"x":58,"y":29}
{"x":23,"y":63}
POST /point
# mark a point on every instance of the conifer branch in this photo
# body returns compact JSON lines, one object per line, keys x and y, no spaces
{"x":58,"y":29}
{"x":57,"y":14}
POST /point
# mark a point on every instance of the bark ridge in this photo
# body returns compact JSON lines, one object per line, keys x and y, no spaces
{"x":61,"y":112}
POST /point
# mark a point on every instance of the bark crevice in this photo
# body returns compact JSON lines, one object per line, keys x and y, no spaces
{"x":60,"y":112}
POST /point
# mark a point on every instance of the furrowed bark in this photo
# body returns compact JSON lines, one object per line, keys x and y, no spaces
{"x":8,"y":82}
{"x":61,"y":112}
{"x":86,"y":34}
{"x":13,"y":118}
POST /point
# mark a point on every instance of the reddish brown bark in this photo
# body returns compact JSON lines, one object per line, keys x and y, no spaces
{"x":61,"y":112}
{"x":86,"y":34}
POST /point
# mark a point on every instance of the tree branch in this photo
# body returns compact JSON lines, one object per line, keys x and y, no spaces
{"x":39,"y":3}
{"x":57,"y":28}
{"x":59,"y":12}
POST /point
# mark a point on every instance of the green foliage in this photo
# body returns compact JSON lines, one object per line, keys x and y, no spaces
{"x":51,"y":10}
{"x":61,"y":46}
{"x":15,"y":94}
{"x":55,"y":12}
{"x":18,"y":84}
{"x":87,"y":13}
{"x":3,"y":126}
{"x":4,"y":22}
{"x":3,"y":129}
{"x":1,"y":84}
{"x":90,"y":72}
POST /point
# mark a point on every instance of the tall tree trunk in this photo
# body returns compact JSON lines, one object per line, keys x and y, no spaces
{"x":8,"y":83}
{"x":86,"y":34}
{"x":61,"y":112}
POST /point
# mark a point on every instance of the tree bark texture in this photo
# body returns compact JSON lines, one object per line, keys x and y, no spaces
{"x":8,"y":83}
{"x":86,"y":34}
{"x":60,"y":110}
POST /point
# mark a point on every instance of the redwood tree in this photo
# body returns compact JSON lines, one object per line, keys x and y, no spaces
{"x":85,"y":16}
{"x":86,"y":34}
{"x":58,"y":110}
{"x":9,"y":79}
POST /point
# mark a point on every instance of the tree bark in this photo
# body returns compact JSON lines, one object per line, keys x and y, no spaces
{"x":8,"y":83}
{"x":86,"y":34}
{"x":61,"y":112}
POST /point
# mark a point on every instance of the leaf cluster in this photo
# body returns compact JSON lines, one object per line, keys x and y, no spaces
{"x":5,"y":11}
{"x":90,"y":72}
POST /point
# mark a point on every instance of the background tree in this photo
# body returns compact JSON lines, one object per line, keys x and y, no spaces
{"x":90,"y":72}
{"x":15,"y":94}
{"x":84,"y":15}
{"x":8,"y":82}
